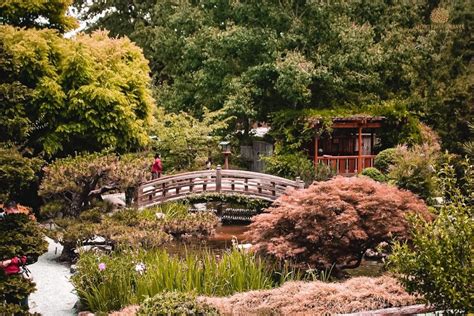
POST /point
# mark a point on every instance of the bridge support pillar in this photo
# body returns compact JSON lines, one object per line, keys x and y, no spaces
{"x":218,"y":178}
{"x":299,"y":183}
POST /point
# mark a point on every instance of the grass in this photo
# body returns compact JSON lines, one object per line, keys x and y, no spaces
{"x":119,"y":285}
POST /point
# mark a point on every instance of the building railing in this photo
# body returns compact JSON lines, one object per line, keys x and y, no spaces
{"x":347,"y":165}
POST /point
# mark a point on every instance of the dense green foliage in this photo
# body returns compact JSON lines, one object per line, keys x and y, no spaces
{"x":119,"y":284}
{"x":374,"y":174}
{"x":414,"y":169}
{"x":185,"y":142}
{"x":17,"y":173}
{"x":385,"y":159}
{"x":64,"y":96}
{"x":291,"y":166}
{"x":438,"y":263}
{"x":37,"y":13}
{"x":19,"y":236}
{"x":239,"y":200}
{"x":175,"y":303}
{"x":255,"y":58}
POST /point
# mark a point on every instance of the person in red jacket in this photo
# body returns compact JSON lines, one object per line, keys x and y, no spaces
{"x":13,"y":265}
{"x":157,"y":167}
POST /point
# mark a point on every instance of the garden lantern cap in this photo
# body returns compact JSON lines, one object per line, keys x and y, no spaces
{"x":225,"y":146}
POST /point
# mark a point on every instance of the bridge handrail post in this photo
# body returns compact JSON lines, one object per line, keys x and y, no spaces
{"x":299,"y":183}
{"x":137,"y":194}
{"x":218,"y":178}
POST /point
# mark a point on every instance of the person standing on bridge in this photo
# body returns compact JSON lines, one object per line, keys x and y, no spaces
{"x":157,"y":167}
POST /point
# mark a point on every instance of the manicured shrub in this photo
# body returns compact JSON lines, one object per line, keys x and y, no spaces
{"x":414,"y":168}
{"x":438,"y":262}
{"x":385,"y":159}
{"x":131,"y":228}
{"x":76,"y":182}
{"x":334,"y":222}
{"x":374,"y":174}
{"x":19,"y":236}
{"x":175,"y":303}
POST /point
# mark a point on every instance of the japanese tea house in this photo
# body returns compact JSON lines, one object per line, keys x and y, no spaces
{"x":350,"y":147}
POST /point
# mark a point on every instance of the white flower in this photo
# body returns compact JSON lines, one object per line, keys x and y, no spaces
{"x":140,"y":268}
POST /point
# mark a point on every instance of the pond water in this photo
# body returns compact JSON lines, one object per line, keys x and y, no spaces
{"x":222,"y":240}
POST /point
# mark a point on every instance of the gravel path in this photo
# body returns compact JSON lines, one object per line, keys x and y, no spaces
{"x":54,"y":296}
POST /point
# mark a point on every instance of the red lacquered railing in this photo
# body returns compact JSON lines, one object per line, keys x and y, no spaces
{"x":347,"y":165}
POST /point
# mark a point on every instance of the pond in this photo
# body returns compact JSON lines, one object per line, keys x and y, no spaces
{"x":222,"y":241}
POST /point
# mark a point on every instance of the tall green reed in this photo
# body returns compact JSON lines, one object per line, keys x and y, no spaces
{"x":119,"y":284}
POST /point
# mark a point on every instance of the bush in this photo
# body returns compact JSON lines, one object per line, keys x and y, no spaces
{"x":131,"y":228}
{"x":290,"y":166}
{"x":232,"y":199}
{"x":374,"y":174}
{"x":17,"y":174}
{"x":323,"y":172}
{"x":385,"y":159}
{"x":175,"y":303}
{"x":414,"y":169}
{"x":76,"y":182}
{"x":19,"y":236}
{"x":438,"y":262}
{"x":334,"y":222}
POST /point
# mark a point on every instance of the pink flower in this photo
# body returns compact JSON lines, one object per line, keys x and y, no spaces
{"x":102,"y":266}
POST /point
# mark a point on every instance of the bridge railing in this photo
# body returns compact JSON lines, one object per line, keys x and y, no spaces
{"x":173,"y":187}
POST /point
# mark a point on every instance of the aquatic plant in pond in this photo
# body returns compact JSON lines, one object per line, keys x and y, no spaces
{"x":120,"y":284}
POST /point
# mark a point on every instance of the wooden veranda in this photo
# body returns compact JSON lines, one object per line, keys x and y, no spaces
{"x":351,"y":146}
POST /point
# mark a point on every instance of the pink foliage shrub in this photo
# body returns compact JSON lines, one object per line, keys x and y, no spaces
{"x":316,"y":298}
{"x":334,"y":221}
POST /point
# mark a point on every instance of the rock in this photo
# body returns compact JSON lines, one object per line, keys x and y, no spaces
{"x":200,"y":207}
{"x":116,"y":199}
{"x":95,"y":240}
{"x":73,"y":269}
{"x":160,"y":215}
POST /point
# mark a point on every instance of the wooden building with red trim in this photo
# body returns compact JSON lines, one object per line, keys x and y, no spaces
{"x":350,"y":147}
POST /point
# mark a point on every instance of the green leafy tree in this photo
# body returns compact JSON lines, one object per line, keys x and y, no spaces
{"x":37,"y":13}
{"x":255,"y":58}
{"x":184,"y":141}
{"x":88,"y":93}
{"x":438,"y":262}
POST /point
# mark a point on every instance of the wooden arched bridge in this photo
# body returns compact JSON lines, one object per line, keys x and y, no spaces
{"x":174,"y":187}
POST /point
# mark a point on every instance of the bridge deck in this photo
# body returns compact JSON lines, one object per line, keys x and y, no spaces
{"x":252,"y":184}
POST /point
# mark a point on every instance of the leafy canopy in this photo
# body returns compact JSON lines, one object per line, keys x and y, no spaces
{"x":37,"y":13}
{"x":253,"y":58}
{"x":88,"y":93}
